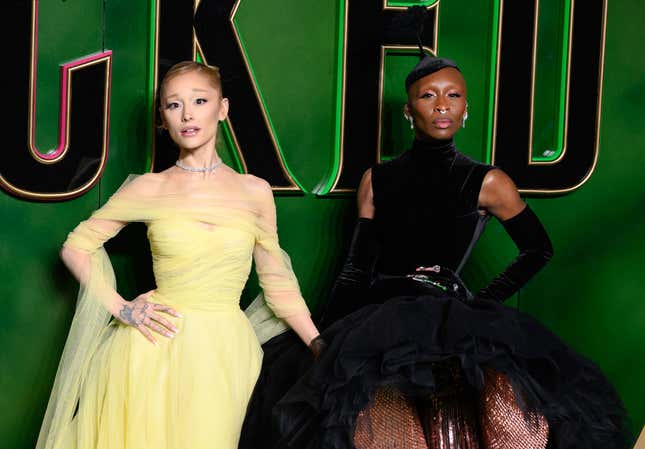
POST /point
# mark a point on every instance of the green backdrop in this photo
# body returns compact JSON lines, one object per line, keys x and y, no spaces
{"x":591,"y":294}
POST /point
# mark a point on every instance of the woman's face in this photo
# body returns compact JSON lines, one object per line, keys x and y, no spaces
{"x":191,"y":107}
{"x":437,"y":104}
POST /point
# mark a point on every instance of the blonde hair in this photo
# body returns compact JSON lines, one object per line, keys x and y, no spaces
{"x":210,"y":71}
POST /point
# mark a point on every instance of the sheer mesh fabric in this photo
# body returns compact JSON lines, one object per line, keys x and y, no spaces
{"x":203,"y":242}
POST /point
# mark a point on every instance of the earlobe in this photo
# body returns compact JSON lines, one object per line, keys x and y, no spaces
{"x":409,"y":119}
{"x":407,"y":116}
{"x":223,"y":113}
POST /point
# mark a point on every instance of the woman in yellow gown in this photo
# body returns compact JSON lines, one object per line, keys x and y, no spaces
{"x":176,"y":366}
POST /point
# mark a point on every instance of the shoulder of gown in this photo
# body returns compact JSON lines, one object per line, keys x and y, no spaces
{"x":241,"y":201}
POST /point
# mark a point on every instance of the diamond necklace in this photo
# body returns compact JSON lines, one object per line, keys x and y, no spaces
{"x":198,"y":170}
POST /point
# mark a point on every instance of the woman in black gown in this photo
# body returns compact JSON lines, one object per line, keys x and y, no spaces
{"x":411,"y":358}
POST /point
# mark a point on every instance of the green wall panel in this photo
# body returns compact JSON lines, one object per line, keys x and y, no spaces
{"x":295,"y":69}
{"x":591,"y":293}
{"x":38,"y":293}
{"x":36,"y":290}
{"x":127,"y":35}
{"x":38,"y":300}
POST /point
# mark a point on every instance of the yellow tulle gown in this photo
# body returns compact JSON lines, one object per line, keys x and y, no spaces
{"x":116,"y":390}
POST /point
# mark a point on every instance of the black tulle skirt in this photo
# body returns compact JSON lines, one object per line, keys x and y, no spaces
{"x":299,"y":403}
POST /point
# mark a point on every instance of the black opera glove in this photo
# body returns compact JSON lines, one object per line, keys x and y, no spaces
{"x":355,"y":277}
{"x":361,"y":258}
{"x":535,"y":248}
{"x":317,"y":346}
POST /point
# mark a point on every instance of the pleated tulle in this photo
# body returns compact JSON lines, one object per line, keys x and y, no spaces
{"x":188,"y":392}
{"x":116,"y":390}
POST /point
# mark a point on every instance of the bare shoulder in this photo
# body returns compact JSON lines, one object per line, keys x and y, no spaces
{"x":258,"y":189}
{"x":367,"y":177}
{"x":365,"y":196}
{"x":497,"y":181}
{"x":499,"y":195}
{"x":365,"y":187}
{"x":261,"y":195}
{"x":256,"y":184}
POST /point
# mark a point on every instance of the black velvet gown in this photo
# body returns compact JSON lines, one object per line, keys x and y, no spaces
{"x":395,"y":332}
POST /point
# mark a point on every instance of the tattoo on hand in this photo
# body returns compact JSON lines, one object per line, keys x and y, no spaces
{"x":127,"y":314}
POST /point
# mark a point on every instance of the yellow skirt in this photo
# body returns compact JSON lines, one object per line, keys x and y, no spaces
{"x":189,"y":392}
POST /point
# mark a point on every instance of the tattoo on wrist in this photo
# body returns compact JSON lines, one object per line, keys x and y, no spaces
{"x":126,"y":314}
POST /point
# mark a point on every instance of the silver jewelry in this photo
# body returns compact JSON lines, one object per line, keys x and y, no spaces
{"x":464,"y":117}
{"x":409,"y":119}
{"x":198,"y":170}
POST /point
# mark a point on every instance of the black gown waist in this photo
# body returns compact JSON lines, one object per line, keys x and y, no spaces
{"x":440,"y":282}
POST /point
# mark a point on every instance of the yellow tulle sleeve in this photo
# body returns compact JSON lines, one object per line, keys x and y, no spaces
{"x":88,"y":325}
{"x":90,"y":235}
{"x":238,"y":206}
{"x":273,"y":266}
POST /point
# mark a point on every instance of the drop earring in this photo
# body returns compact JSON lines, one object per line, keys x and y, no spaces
{"x":464,"y":117}
{"x":409,"y":119}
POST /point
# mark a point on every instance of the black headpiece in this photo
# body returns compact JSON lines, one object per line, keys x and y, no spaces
{"x":427,"y":65}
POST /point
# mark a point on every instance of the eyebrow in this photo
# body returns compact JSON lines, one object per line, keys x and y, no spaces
{"x":194,"y":90}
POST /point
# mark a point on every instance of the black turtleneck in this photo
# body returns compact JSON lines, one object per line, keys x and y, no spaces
{"x":426,"y":213}
{"x":426,"y":207}
{"x":443,"y":151}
